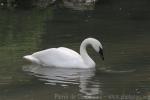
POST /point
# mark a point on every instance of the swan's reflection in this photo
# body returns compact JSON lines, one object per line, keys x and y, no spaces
{"x":65,"y":77}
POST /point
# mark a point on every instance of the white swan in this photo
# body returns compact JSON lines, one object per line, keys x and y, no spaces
{"x":67,"y":58}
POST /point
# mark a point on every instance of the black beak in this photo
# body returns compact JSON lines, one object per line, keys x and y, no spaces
{"x":101,"y":53}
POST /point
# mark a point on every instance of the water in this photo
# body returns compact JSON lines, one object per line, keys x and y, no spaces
{"x":124,"y":75}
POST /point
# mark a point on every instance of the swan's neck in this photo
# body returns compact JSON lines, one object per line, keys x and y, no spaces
{"x":83,"y":52}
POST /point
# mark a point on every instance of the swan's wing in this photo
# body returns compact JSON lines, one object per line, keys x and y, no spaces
{"x":59,"y":57}
{"x":68,"y":51}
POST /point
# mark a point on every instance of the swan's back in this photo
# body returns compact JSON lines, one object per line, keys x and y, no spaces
{"x":59,"y":57}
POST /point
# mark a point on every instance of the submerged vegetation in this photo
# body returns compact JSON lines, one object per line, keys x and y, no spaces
{"x":75,"y":4}
{"x":24,"y":3}
{"x":123,"y":6}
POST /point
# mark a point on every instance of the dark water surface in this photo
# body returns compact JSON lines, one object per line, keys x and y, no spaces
{"x":124,"y":33}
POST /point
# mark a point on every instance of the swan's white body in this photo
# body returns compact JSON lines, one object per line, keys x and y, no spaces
{"x":66,"y":58}
{"x":57,"y":57}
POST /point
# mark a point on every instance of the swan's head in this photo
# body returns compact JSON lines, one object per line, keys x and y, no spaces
{"x":97,"y":46}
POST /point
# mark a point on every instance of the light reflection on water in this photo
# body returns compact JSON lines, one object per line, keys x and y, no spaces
{"x":91,"y":83}
{"x":65,"y":77}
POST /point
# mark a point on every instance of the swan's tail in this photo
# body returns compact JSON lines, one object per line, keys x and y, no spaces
{"x":31,"y":59}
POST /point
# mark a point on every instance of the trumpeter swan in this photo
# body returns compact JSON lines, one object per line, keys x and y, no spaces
{"x":67,"y":58}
